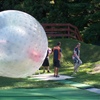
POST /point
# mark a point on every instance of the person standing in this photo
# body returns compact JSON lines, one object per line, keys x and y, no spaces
{"x":76,"y":58}
{"x":46,"y":61}
{"x":56,"y":58}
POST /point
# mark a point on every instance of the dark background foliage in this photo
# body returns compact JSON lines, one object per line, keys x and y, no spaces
{"x":85,"y":14}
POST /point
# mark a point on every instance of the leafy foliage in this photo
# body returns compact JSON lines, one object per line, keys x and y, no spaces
{"x":85,"y":14}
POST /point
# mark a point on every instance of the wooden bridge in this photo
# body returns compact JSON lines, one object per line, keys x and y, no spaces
{"x":62,"y":30}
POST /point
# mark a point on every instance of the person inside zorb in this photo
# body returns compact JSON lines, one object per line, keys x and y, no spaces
{"x":76,"y":58}
{"x":23,"y":44}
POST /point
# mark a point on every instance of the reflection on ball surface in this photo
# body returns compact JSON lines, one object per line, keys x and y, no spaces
{"x":23,"y":44}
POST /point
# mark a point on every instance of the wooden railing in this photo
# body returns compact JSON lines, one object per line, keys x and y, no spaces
{"x":62,"y":30}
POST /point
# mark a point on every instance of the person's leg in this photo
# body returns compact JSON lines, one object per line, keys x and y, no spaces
{"x":56,"y":67}
{"x":44,"y":65}
{"x":48,"y":70}
{"x":79,"y":62}
{"x":54,"y":71}
{"x":54,"y":64}
{"x":43,"y":69}
{"x":76,"y":62}
{"x":57,"y":70}
{"x":76,"y":67}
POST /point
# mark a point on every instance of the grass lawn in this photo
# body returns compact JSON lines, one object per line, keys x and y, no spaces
{"x":90,"y":55}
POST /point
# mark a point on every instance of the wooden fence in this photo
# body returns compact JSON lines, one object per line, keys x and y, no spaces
{"x":62,"y":30}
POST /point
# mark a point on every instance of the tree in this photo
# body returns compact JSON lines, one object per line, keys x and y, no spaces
{"x":85,"y":14}
{"x":92,"y":30}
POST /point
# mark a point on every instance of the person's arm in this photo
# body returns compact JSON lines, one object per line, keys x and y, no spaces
{"x":49,"y":51}
{"x":52,"y":51}
{"x":61,"y":53}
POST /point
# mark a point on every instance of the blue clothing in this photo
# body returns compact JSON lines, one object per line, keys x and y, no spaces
{"x":76,"y":51}
{"x":57,"y":53}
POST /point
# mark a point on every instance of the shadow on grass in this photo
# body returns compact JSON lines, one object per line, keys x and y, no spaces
{"x":27,"y":83}
{"x":5,"y":81}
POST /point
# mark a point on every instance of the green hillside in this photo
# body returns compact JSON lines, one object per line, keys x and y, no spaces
{"x":90,"y":55}
{"x":89,"y":52}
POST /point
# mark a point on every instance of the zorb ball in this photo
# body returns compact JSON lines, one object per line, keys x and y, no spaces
{"x":23,"y":44}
